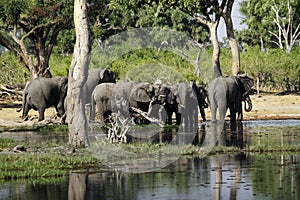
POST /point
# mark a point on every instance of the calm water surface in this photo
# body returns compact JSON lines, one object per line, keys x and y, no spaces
{"x":221,"y":176}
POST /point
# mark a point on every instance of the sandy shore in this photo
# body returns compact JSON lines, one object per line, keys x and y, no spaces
{"x":264,"y":107}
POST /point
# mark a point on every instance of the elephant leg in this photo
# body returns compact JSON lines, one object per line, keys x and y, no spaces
{"x":232,"y":113}
{"x":239,"y":110}
{"x":26,"y":110}
{"x":92,"y":109}
{"x":178,"y":118}
{"x":222,"y":112}
{"x":169,"y":117}
{"x":213,"y":113}
{"x":41,"y":114}
{"x":213,"y":109}
{"x":100,"y":111}
{"x":202,"y":112}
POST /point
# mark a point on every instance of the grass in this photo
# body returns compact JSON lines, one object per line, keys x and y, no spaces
{"x":49,"y":160}
{"x":41,"y":128}
{"x":16,"y":166}
{"x":46,"y":160}
{"x":196,"y":150}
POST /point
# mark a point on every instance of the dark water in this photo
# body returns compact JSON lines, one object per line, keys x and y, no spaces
{"x":222,"y":176}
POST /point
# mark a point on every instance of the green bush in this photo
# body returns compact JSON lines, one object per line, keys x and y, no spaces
{"x":59,"y":64}
{"x":273,"y":66}
{"x":12,"y":71}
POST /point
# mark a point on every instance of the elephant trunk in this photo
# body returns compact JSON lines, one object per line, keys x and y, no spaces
{"x":249,"y":102}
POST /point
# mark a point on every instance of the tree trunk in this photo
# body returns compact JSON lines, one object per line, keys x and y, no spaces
{"x":216,"y":48}
{"x":77,"y":121}
{"x":232,"y":42}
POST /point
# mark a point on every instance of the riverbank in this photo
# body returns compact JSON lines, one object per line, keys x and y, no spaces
{"x":265,"y":107}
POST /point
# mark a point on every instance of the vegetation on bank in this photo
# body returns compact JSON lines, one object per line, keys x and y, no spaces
{"x":274,"y":67}
{"x":42,"y":160}
{"x":39,"y":128}
{"x":51,"y":160}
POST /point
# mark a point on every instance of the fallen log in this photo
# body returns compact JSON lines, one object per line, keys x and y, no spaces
{"x":5,"y":89}
{"x":13,"y":124}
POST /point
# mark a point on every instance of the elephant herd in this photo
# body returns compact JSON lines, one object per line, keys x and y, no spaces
{"x":135,"y":100}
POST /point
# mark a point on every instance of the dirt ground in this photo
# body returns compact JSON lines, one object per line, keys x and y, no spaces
{"x":264,"y":107}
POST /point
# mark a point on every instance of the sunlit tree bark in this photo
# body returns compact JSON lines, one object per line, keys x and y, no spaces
{"x":226,"y":14}
{"x":77,"y":121}
{"x":213,"y":26}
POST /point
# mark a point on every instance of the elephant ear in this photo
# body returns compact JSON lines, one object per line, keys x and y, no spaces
{"x":63,"y":84}
{"x":247,"y":81}
{"x":141,"y":92}
{"x":106,"y":75}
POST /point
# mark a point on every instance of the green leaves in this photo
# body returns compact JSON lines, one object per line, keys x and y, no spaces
{"x":10,"y":10}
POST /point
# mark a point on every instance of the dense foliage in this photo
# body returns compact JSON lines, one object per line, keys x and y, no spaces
{"x":107,"y":18}
{"x":273,"y":66}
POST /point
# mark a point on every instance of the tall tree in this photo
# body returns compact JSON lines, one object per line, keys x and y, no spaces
{"x":207,"y":13}
{"x":226,"y":14}
{"x":78,"y":73}
{"x":30,"y":28}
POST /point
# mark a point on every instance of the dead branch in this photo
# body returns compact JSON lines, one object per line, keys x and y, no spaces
{"x":144,"y":114}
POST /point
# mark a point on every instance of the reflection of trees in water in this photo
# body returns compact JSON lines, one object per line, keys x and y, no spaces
{"x":276,"y":175}
{"x":77,"y":186}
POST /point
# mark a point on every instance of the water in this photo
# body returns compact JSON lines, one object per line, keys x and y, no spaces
{"x":221,"y":176}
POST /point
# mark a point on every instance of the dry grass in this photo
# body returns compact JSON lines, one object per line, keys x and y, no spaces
{"x":273,"y":107}
{"x":264,"y":107}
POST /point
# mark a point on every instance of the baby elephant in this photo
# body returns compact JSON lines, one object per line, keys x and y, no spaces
{"x":42,"y":93}
{"x":102,"y":96}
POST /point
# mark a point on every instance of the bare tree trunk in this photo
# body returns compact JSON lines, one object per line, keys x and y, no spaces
{"x":216,"y":48}
{"x":232,"y":42}
{"x":77,"y":121}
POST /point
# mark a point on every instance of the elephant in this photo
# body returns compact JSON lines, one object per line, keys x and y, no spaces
{"x":201,"y":94}
{"x":130,"y":95}
{"x":102,"y":97}
{"x":42,"y":93}
{"x":95,"y":77}
{"x":185,"y":106}
{"x":229,"y":92}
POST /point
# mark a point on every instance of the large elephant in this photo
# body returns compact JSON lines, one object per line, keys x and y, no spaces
{"x":95,"y":77}
{"x":102,"y":98}
{"x":42,"y":93}
{"x":229,"y":92}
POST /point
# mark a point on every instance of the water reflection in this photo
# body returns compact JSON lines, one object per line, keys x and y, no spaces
{"x":220,"y":176}
{"x":237,"y":176}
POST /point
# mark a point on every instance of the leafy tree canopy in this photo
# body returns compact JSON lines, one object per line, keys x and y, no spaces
{"x":259,"y":17}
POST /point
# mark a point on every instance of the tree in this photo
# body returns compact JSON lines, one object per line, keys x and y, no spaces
{"x":78,"y":73}
{"x":268,"y":22}
{"x":29,"y":29}
{"x":285,"y":26}
{"x":209,"y":14}
{"x":226,"y":14}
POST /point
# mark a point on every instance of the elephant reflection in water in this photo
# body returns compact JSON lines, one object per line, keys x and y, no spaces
{"x":222,"y":135}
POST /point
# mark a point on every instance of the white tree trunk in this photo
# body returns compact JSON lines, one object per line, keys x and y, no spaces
{"x":77,"y":121}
